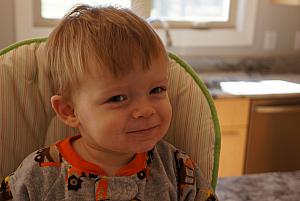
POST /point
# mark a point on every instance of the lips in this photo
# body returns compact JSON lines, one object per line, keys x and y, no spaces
{"x":142,"y":130}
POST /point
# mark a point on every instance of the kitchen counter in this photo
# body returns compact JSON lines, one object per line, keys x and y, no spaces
{"x":258,"y":131}
{"x":213,"y":79}
{"x":283,"y":186}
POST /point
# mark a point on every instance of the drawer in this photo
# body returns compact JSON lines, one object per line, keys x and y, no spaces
{"x":233,"y":112}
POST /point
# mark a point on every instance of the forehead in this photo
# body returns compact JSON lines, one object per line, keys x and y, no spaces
{"x":135,"y":76}
{"x":98,"y":70}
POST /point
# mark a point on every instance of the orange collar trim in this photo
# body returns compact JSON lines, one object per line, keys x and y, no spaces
{"x":66,"y":150}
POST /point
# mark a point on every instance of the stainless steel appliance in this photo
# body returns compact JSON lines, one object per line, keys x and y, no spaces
{"x":274,"y":135}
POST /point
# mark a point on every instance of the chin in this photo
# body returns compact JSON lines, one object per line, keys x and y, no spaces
{"x":145,"y":148}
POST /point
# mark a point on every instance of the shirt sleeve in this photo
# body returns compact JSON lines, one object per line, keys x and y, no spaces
{"x":29,"y":181}
{"x":192,"y":185}
{"x":15,"y":186}
{"x":204,"y":190}
{"x":5,"y":193}
{"x":13,"y":192}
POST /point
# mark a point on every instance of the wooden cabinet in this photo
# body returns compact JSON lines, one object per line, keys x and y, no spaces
{"x":233,"y":115}
{"x":287,"y":2}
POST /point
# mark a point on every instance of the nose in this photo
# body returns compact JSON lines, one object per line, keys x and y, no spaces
{"x":143,"y":112}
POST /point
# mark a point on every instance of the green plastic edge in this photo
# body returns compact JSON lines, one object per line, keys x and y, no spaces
{"x":209,"y":99}
{"x":189,"y":70}
{"x":21,"y":43}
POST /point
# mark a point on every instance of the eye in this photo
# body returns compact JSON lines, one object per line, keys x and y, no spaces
{"x":118,"y":98}
{"x":158,"y":90}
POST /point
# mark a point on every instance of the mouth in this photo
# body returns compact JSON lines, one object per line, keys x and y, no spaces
{"x":143,"y":131}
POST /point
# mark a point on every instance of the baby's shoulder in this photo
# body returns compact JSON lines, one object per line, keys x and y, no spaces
{"x":45,"y":157}
{"x":39,"y":166}
{"x":39,"y":170}
{"x":174,"y":159}
{"x":177,"y":165}
{"x":169,"y":152}
{"x":48,"y":156}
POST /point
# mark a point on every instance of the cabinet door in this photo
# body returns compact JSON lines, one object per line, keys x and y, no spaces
{"x":232,"y":151}
{"x":233,"y":115}
{"x":233,"y":112}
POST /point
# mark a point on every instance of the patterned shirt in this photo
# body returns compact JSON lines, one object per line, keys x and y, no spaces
{"x":59,"y":173}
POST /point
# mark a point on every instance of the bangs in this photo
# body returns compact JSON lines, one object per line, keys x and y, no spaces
{"x":125,"y":42}
{"x":93,"y":39}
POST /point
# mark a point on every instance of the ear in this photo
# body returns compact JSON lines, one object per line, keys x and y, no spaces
{"x":65,"y":111}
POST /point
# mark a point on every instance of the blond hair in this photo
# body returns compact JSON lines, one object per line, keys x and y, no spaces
{"x":114,"y":38}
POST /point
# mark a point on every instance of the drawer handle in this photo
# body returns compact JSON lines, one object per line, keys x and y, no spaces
{"x":231,"y":132}
{"x":278,"y":109}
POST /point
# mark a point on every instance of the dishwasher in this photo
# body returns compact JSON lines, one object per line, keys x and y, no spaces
{"x":273,"y":142}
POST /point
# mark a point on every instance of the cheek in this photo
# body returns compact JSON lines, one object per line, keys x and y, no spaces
{"x":109,"y":122}
{"x":89,"y":120}
{"x":170,"y":112}
{"x":167,"y":112}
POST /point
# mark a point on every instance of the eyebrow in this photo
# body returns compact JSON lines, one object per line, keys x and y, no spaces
{"x":162,"y":79}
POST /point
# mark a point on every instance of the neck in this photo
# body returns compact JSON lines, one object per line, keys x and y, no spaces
{"x":108,"y":160}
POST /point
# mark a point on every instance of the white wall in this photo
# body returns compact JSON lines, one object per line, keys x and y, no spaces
{"x":7,"y":26}
{"x":284,"y":20}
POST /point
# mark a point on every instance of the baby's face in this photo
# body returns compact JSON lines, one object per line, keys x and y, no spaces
{"x":125,"y":115}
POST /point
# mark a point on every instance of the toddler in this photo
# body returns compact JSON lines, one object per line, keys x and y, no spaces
{"x":110,"y":76}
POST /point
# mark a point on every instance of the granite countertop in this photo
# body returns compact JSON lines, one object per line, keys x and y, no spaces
{"x":284,"y":186}
{"x":215,"y":69}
